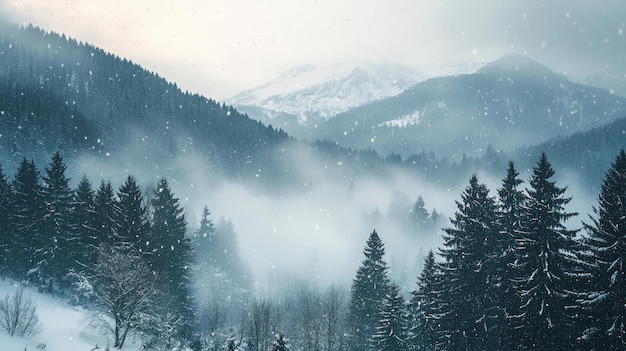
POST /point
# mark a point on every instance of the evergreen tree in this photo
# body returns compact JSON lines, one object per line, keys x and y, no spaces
{"x":606,"y":242}
{"x":83,"y":226}
{"x":204,"y":237}
{"x":225,"y":250}
{"x":369,"y":288}
{"x":105,"y":215}
{"x":424,"y":307}
{"x":419,"y":215}
{"x":56,"y":239}
{"x":170,"y":253}
{"x":510,"y":206}
{"x":131,"y":218}
{"x":5,"y":222}
{"x":26,"y":218}
{"x":391,"y":331}
{"x":546,"y":261}
{"x":280,"y":343}
{"x":469,"y":311}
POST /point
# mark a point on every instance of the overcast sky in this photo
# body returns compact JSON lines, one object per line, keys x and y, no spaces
{"x":221,"y":47}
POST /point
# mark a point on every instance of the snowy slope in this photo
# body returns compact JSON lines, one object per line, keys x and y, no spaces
{"x":65,"y":328}
{"x":311,"y":92}
{"x":500,"y":105}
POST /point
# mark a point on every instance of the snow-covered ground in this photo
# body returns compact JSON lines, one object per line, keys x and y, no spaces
{"x":65,"y":327}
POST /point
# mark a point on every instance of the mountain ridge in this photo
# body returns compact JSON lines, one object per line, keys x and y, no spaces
{"x":312,"y":94}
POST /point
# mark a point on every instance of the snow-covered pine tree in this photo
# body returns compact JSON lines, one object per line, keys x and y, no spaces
{"x":83,"y":226}
{"x":606,"y":244}
{"x":131,"y":218}
{"x":105,"y":212}
{"x":510,"y":204}
{"x":170,"y":253}
{"x":26,"y":217}
{"x":546,"y":260}
{"x":369,"y":288}
{"x":280,"y":343}
{"x":58,"y":241}
{"x":391,"y":331}
{"x":5,"y":222}
{"x":469,"y":311}
{"x":424,"y":308}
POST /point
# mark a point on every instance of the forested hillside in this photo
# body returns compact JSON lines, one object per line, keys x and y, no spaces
{"x":57,"y":93}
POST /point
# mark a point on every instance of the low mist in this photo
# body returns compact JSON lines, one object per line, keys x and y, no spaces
{"x":316,"y":230}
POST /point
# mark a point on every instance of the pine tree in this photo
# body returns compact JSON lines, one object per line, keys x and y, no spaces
{"x":83,"y":226}
{"x":420,"y":219}
{"x":280,"y":343}
{"x":203,"y":238}
{"x":546,"y":262}
{"x":468,"y":283}
{"x":424,"y":307}
{"x":510,"y":205}
{"x":132,"y":218}
{"x":369,"y":288}
{"x":57,"y":241}
{"x":170,"y":252}
{"x":604,"y":303}
{"x":105,"y":215}
{"x":391,"y":331}
{"x":26,"y":218}
{"x":6,"y":246}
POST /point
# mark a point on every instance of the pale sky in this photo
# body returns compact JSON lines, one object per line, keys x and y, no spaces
{"x":221,"y":47}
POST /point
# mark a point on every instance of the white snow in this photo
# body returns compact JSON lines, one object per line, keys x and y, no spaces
{"x":65,"y":327}
{"x":325,"y":91}
{"x":412,"y":119}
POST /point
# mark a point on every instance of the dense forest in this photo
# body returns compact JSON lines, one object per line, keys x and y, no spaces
{"x":514,"y":271}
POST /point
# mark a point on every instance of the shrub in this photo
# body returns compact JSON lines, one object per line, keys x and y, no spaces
{"x":18,"y":315}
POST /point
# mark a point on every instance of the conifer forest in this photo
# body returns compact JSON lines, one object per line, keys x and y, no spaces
{"x":312,"y":176}
{"x":510,"y":274}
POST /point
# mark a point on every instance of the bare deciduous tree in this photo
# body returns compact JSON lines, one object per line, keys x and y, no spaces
{"x":18,"y":315}
{"x":125,"y":293}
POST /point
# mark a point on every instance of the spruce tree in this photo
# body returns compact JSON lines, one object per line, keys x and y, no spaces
{"x":203,"y":238}
{"x":606,"y":243}
{"x":391,"y":331}
{"x":26,"y":218}
{"x":170,"y":252}
{"x":56,"y":239}
{"x":83,"y":226}
{"x":420,"y":219}
{"x":468,"y":283}
{"x":424,"y":307}
{"x":105,"y":215}
{"x":511,"y":202}
{"x":546,"y":263}
{"x":5,"y":222}
{"x":132,"y":219}
{"x":280,"y":343}
{"x":369,"y":288}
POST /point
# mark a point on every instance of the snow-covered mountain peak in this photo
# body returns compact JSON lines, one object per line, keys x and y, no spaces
{"x":323,"y":91}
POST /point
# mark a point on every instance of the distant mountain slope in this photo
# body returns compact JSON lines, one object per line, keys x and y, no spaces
{"x":508,"y":103}
{"x":56,"y":93}
{"x":309,"y":94}
{"x":588,"y":153}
